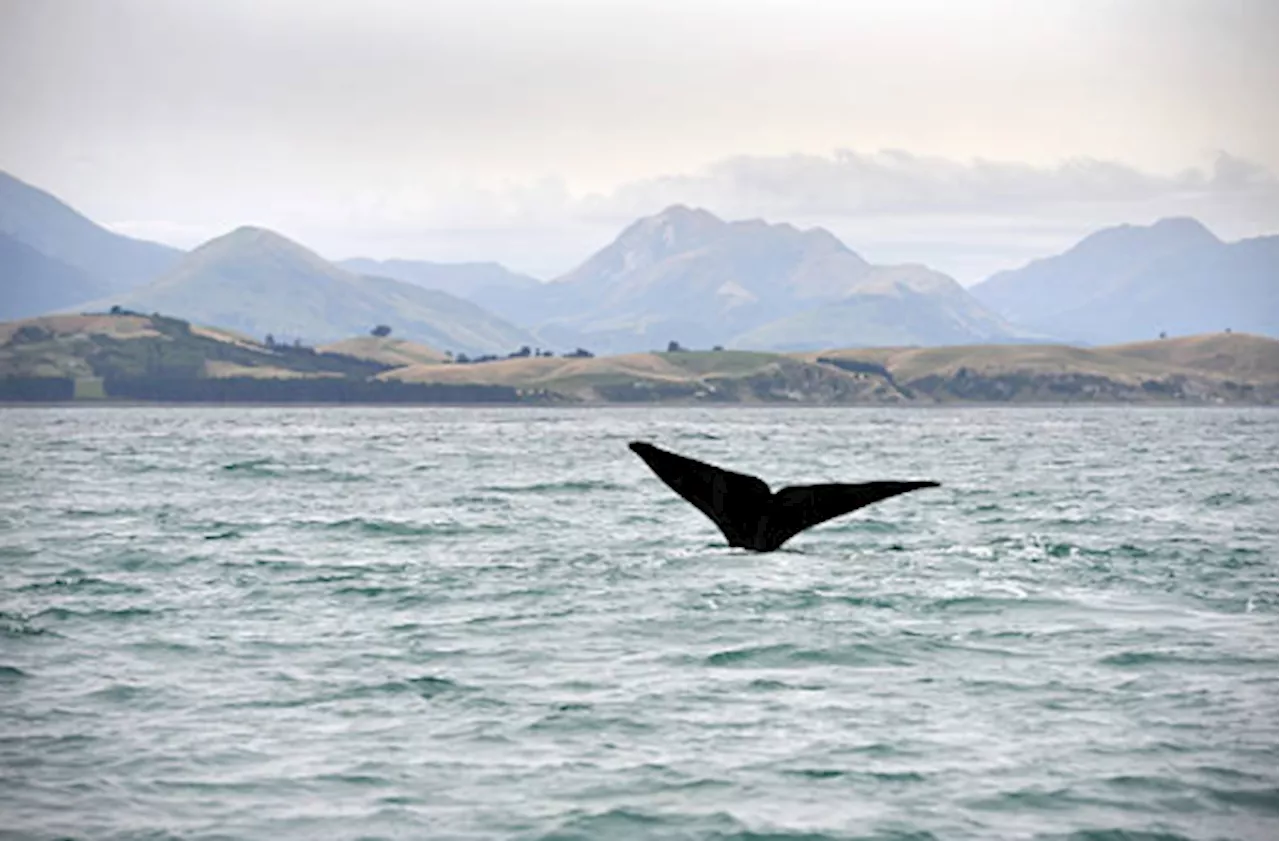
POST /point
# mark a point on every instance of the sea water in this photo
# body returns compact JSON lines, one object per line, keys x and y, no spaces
{"x":452,"y":623}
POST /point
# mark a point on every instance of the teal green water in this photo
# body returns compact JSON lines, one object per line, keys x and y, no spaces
{"x":339,"y":623}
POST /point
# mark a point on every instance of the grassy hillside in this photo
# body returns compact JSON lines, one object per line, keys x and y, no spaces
{"x":710,"y":376}
{"x":1199,"y":369}
{"x":1213,"y":368}
{"x":156,"y":357}
{"x":1234,"y":355}
{"x":393,"y":352}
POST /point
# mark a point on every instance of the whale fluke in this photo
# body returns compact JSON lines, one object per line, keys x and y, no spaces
{"x":744,"y":509}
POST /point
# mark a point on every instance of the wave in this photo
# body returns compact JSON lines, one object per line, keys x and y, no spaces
{"x":400,"y":528}
{"x":572,"y":486}
{"x":1122,"y":835}
{"x":251,"y":467}
{"x":787,"y":655}
{"x":1228,"y":498}
{"x":18,"y":626}
{"x":123,"y":614}
{"x":428,"y":687}
{"x":625,"y":823}
{"x":989,"y":604}
{"x":869,"y":776}
{"x":269,"y":468}
{"x":85,"y":584}
{"x":1150,"y":658}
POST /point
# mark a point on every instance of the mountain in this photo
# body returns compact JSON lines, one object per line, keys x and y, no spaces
{"x":490,"y":285}
{"x":32,"y":283}
{"x":1133,"y":282}
{"x":259,"y":282}
{"x":893,"y":306}
{"x":113,"y":262}
{"x":688,"y":276}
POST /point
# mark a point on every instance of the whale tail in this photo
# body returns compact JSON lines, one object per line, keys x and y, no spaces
{"x":744,"y":509}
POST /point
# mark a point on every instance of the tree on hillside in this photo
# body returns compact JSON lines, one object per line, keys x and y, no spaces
{"x":270,"y":341}
{"x":673,"y":346}
{"x":381,"y":331}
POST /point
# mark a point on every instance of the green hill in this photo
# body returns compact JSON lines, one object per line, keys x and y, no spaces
{"x":1222,"y":368}
{"x":133,"y":356}
{"x":259,"y":283}
{"x":155,"y":357}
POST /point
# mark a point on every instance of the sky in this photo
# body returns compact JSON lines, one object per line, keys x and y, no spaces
{"x":970,"y":135}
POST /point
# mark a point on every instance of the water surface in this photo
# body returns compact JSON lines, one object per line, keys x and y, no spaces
{"x":311,"y":623}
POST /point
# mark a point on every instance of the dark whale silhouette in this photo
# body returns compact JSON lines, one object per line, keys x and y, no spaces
{"x":743,"y":508}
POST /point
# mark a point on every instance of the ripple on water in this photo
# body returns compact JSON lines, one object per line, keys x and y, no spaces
{"x":302,"y":622}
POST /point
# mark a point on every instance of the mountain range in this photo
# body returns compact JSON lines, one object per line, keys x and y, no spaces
{"x":111,"y":262}
{"x":688,"y":276}
{"x":682,"y":275}
{"x":32,"y":283}
{"x":685,"y":275}
{"x":491,"y":285}
{"x":257,"y":282}
{"x":1129,"y":282}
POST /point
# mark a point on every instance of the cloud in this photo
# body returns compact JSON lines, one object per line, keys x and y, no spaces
{"x":852,"y":184}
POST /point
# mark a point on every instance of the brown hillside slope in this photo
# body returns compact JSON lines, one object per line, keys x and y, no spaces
{"x":713,"y":376}
{"x":1214,"y":368}
{"x":387,"y":350}
{"x":1241,"y":356}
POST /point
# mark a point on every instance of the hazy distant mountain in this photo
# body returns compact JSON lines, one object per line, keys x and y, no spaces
{"x":893,"y":306}
{"x":1131,"y":282}
{"x":258,"y":282}
{"x":41,"y":221}
{"x":33,"y":284}
{"x":491,"y":285}
{"x":688,"y":276}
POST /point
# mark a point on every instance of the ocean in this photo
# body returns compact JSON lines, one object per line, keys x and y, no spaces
{"x":457,"y":623}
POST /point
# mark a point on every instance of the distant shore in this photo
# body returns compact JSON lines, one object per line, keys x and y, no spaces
{"x":132,"y":359}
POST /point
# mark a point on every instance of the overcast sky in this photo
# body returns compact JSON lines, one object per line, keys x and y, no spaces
{"x":968,"y":134}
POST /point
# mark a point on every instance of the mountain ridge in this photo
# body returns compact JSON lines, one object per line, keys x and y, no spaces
{"x":686,"y":275}
{"x":257,"y":281}
{"x":32,"y":283}
{"x":55,"y":229}
{"x":1130,"y":281}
